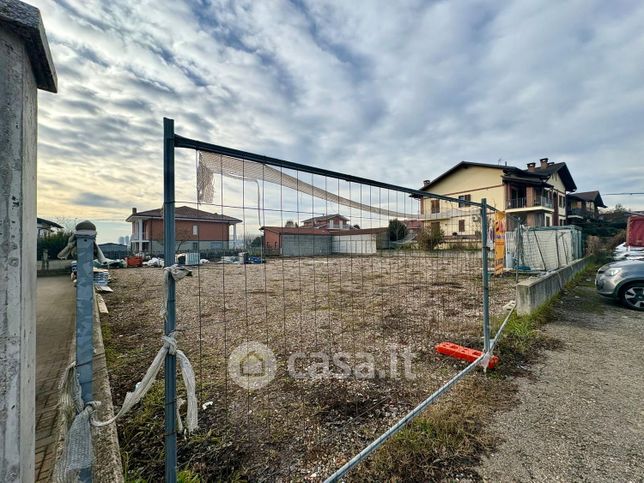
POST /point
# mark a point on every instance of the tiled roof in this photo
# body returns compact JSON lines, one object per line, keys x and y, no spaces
{"x":538,"y":172}
{"x":288,"y":230}
{"x":326,"y":217}
{"x":186,"y":213}
{"x":589,"y":196}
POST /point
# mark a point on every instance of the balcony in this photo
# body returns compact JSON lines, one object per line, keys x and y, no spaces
{"x":137,"y":237}
{"x":581,"y":213}
{"x":522,"y":203}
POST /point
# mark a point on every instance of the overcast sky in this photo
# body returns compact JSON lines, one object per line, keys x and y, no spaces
{"x":396,"y":91}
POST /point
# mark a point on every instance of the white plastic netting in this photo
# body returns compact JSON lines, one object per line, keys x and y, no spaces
{"x":210,"y":166}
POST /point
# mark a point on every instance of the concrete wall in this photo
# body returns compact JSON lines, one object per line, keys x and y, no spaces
{"x":312,"y":245}
{"x":107,"y":466}
{"x":305,"y":245}
{"x":536,"y":291}
{"x":18,"y":98}
{"x":156,"y":247}
{"x":25,"y":66}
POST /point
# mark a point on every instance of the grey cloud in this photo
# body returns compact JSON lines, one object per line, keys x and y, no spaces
{"x":405,"y":89}
{"x":92,"y":199}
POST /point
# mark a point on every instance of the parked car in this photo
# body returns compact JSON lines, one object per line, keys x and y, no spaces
{"x":623,"y":281}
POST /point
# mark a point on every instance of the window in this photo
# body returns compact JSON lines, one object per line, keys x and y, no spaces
{"x":195,"y":246}
{"x":461,"y":204}
{"x":436,"y":206}
{"x":547,"y":221}
{"x":195,"y":230}
{"x":562,"y":201}
{"x":461,"y":226}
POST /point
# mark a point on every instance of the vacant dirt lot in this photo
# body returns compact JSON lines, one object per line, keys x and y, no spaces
{"x":297,"y":427}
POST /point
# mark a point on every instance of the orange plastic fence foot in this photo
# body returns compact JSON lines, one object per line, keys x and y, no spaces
{"x":464,"y":353}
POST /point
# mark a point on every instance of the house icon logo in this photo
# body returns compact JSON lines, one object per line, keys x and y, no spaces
{"x":252,"y":365}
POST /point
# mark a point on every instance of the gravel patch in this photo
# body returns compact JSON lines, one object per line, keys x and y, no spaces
{"x":305,"y":428}
{"x":581,"y":417}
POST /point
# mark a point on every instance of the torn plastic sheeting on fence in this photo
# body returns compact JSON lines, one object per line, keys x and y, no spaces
{"x":78,"y":442}
{"x":141,"y":388}
{"x":70,"y":249}
{"x":78,"y":453}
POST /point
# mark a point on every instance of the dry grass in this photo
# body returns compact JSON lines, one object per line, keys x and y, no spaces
{"x":446,"y":441}
{"x":295,"y":429}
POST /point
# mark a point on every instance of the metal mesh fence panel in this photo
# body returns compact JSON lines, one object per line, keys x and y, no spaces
{"x":314,"y":308}
{"x":312,"y":313}
{"x":543,"y":248}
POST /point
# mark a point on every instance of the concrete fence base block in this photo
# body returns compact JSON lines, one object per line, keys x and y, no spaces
{"x":536,"y":291}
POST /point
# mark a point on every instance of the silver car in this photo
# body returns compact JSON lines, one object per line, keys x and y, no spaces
{"x":623,"y":281}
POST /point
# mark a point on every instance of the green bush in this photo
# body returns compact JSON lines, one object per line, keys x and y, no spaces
{"x":429,"y":239}
{"x":53,"y":243}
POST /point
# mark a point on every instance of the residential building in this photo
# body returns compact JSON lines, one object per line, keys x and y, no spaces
{"x":196,"y":230}
{"x":584,"y":206}
{"x":46,"y":227}
{"x":536,"y":195}
{"x":330,"y":222}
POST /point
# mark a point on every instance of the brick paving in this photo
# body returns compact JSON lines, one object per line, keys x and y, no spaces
{"x":54,"y":335}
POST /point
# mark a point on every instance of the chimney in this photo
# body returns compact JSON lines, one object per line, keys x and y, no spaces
{"x":544,"y":162}
{"x":532,"y":167}
{"x":426,"y":182}
{"x":134,"y":211}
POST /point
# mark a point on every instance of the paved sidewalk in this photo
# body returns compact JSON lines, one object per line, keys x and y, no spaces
{"x":580,"y":418}
{"x":54,"y":335}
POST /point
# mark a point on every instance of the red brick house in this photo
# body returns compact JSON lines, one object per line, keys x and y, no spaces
{"x":196,"y":230}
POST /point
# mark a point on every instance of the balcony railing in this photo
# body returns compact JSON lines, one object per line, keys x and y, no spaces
{"x":538,"y":201}
{"x":582,"y":212}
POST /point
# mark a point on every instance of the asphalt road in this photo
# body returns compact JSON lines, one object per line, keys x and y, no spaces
{"x":581,"y":417}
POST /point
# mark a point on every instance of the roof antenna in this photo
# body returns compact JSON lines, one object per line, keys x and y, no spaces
{"x":498,"y":162}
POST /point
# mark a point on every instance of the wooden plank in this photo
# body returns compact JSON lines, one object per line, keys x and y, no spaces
{"x":102,"y":308}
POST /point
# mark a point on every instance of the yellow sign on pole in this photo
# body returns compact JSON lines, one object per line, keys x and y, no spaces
{"x":499,"y":242}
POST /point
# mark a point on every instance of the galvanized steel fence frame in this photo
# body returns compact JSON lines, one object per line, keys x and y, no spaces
{"x":172,"y":141}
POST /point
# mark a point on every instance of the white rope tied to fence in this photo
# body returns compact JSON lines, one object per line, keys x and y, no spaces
{"x":78,"y":452}
{"x":142,"y":387}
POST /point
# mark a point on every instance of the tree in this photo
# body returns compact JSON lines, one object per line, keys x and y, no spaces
{"x":182,"y":235}
{"x":53,"y":243}
{"x":290,"y":224}
{"x":68,"y":223}
{"x":397,"y":230}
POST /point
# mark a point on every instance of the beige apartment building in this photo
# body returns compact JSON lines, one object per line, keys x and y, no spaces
{"x":536,"y":195}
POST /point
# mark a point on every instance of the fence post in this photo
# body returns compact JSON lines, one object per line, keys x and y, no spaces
{"x":85,"y":238}
{"x":170,"y":318}
{"x":484,"y":269}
